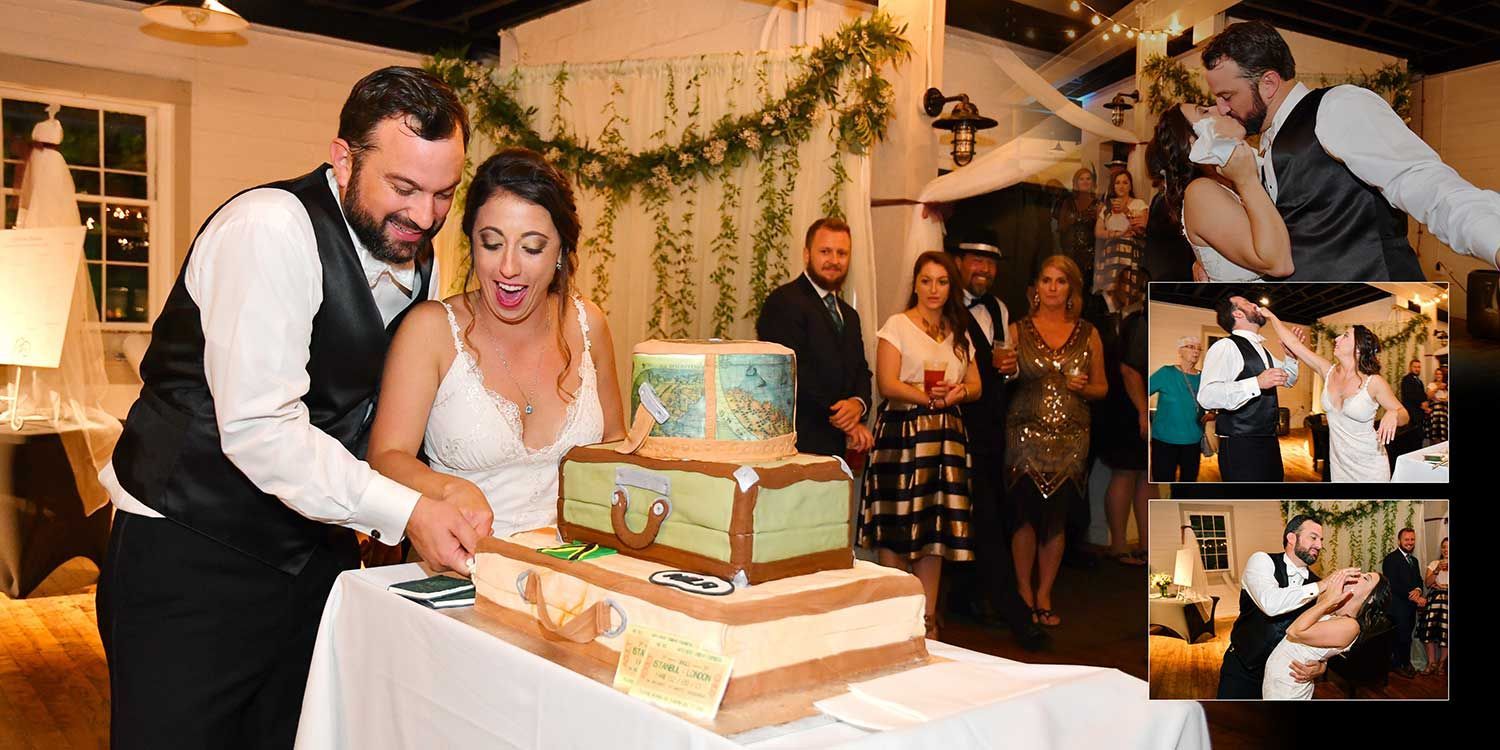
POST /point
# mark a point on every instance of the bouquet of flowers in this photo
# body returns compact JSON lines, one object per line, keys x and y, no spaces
{"x":1161,"y":581}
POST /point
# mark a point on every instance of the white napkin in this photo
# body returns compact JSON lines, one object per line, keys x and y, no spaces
{"x":937,"y":690}
{"x":1211,"y":148}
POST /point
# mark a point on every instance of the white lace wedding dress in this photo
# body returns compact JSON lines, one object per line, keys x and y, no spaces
{"x":474,"y":433}
{"x":1354,"y":451}
{"x":1278,"y":683}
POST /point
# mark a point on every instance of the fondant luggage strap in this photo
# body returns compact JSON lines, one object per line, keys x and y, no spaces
{"x":584,"y":628}
{"x":656,"y":515}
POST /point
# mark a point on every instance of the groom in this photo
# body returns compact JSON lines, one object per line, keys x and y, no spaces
{"x":1342,"y":166}
{"x":1274,"y":590}
{"x":1240,"y":379}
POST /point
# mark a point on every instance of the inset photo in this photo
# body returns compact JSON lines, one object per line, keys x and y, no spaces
{"x":1298,"y":382}
{"x":1298,"y":600}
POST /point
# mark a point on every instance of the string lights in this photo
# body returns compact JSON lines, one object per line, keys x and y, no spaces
{"x":1098,"y":17}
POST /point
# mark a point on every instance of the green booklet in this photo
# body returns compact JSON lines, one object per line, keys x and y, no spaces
{"x":433,"y":587}
{"x":464,"y":598}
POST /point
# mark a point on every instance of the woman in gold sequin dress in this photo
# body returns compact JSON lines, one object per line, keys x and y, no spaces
{"x":1047,"y":428}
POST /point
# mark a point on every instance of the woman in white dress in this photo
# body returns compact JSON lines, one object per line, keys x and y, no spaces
{"x":1350,"y":606}
{"x":1352,"y":394}
{"x":1224,"y":211}
{"x":496,"y":384}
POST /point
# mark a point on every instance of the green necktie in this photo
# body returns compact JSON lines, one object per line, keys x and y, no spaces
{"x":832,"y":303}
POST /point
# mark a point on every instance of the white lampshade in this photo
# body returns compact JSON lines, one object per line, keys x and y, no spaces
{"x":208,"y":16}
{"x":1183,"y":574}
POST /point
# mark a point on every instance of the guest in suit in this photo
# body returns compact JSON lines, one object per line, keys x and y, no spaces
{"x":240,"y":479}
{"x":833,"y":376}
{"x":1342,"y":166}
{"x":1273,"y":591}
{"x":1240,"y":379}
{"x":1405,"y":574}
{"x":989,"y":586}
{"x":1413,"y":396}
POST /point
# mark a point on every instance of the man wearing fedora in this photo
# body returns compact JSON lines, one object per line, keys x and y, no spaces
{"x":991,"y":589}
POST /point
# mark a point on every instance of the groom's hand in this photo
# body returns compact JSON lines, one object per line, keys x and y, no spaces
{"x":1340,"y":575}
{"x":1307,"y":671}
{"x":471,"y":500}
{"x":443,"y":534}
{"x":1271,"y":378}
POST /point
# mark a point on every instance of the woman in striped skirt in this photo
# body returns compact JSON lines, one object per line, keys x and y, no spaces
{"x":916,"y":488}
{"x":1434,"y":630}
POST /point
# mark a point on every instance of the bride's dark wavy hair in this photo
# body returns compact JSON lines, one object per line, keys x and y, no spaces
{"x":1371,"y":616}
{"x":1167,"y":156}
{"x":1366,"y":351}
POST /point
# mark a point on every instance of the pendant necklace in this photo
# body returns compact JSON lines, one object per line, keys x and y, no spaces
{"x":535,"y":371}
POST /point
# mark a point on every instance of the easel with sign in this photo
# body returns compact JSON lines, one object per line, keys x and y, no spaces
{"x":36,"y":294}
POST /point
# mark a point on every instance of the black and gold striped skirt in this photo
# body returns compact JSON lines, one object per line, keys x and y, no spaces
{"x":915,"y":497}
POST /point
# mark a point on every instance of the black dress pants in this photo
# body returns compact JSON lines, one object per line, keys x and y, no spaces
{"x":1404,"y":618}
{"x":207,"y":646}
{"x":1250,"y":459}
{"x":1237,"y":680}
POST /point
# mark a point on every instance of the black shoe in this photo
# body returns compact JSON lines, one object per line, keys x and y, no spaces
{"x":1033,"y":638}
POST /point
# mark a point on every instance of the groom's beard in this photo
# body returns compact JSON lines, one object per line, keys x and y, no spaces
{"x":1255,"y":317}
{"x":1309,"y":556}
{"x":1256,"y":119}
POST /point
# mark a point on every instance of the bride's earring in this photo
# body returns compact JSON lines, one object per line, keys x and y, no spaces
{"x":1070,"y":304}
{"x":559,"y":264}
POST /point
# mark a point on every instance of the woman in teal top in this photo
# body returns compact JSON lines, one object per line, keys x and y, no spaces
{"x":1176,"y":429}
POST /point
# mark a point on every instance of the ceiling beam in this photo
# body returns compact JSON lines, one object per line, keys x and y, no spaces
{"x":1386,"y":21}
{"x":1391,"y":44}
{"x":382,"y":14}
{"x":1441,"y":16}
{"x":479,"y":11}
{"x":399,"y":6}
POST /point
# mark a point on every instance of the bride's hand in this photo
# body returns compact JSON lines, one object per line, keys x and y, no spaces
{"x":1242,"y":168}
{"x":1387,"y":431}
{"x":1333,"y":592}
{"x":470,"y":500}
{"x":1266,"y":311}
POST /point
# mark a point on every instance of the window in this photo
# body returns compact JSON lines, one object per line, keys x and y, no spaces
{"x":1213,"y":539}
{"x":113,"y":151}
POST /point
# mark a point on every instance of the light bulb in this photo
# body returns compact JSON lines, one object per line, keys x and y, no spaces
{"x":1130,"y":34}
{"x":1073,"y":6}
{"x":1095,"y":20}
{"x":1070,"y":34}
{"x":1106,"y":36}
{"x":1115,"y":28}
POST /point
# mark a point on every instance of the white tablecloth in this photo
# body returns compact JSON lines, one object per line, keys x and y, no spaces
{"x":389,"y":673}
{"x":1410,"y":467}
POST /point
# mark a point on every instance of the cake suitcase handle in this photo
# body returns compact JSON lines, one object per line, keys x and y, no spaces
{"x":584,"y":628}
{"x":656,"y":515}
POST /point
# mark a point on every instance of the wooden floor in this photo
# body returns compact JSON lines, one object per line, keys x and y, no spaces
{"x":54,"y":686}
{"x":1295,"y":460}
{"x":1179,"y":670}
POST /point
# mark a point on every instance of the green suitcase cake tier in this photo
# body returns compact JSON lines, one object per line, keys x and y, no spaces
{"x":768,"y":520}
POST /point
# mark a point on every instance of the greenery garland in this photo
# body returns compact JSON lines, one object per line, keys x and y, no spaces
{"x":1171,"y":83}
{"x":1415,"y":331}
{"x":840,"y":79}
{"x":1391,"y":81}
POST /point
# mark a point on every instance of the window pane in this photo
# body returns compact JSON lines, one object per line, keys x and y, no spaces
{"x":127,"y":298}
{"x":12,"y":206}
{"x":17,"y":117}
{"x":125,"y":185}
{"x":124,"y":141}
{"x":11,"y":180}
{"x":93,"y":238}
{"x":127,"y":232}
{"x":80,"y":144}
{"x":96,"y":280}
{"x":86,"y":181}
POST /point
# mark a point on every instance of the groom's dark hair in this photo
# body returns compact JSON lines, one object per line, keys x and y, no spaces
{"x":1256,"y":46}
{"x":428,"y":105}
{"x":1294,"y":526}
{"x":1224,"y":309}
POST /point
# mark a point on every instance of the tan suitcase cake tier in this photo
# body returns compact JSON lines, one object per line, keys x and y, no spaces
{"x":767,"y":520}
{"x":783,"y":635}
{"x":719,"y":399}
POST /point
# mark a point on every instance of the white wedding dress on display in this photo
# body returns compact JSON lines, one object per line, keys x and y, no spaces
{"x":476,"y":434}
{"x":1278,"y":683}
{"x":1215,"y":265}
{"x":1354,"y":450}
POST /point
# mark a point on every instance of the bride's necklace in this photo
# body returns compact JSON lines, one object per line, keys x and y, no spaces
{"x":535,"y":371}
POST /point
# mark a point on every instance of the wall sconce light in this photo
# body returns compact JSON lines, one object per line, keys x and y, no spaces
{"x":207,"y":16}
{"x":965,"y":121}
{"x":1117,"y":106}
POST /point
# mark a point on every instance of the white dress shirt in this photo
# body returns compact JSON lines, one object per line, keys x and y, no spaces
{"x":255,"y":274}
{"x":986,"y":323}
{"x":1360,"y":130}
{"x":864,"y":408}
{"x":1259,"y":580}
{"x":1218,"y":388}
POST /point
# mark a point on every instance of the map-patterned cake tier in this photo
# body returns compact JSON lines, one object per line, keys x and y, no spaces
{"x":733,"y":399}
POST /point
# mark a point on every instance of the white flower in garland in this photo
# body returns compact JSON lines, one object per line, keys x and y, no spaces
{"x":661,"y":178}
{"x":751,"y":139}
{"x":783,"y":112}
{"x":592,"y":170}
{"x":715,"y":151}
{"x":686,"y":158}
{"x":553,"y":155}
{"x":504,"y":135}
{"x":619,"y":159}
{"x":767,"y":119}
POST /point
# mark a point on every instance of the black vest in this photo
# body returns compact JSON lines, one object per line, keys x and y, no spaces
{"x":1341,"y":228}
{"x":169,"y":457}
{"x":984,"y":418}
{"x":1258,"y":417}
{"x":1255,"y":633}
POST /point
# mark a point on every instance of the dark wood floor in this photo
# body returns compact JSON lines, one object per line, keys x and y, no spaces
{"x":1179,"y":670}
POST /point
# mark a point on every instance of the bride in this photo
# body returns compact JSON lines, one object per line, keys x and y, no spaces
{"x":1351,"y":605}
{"x":1223,"y":211}
{"x":1352,"y":393}
{"x":496,"y":384}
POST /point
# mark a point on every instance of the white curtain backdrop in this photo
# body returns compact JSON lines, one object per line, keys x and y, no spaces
{"x":633,"y":97}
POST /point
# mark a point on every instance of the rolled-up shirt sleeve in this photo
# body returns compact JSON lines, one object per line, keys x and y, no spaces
{"x":1218,"y":388}
{"x":1259,"y":580}
{"x":1360,"y":129}
{"x":257,"y":280}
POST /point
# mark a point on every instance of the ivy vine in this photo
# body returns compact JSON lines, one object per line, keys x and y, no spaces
{"x":1170,"y":83}
{"x":1391,"y":81}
